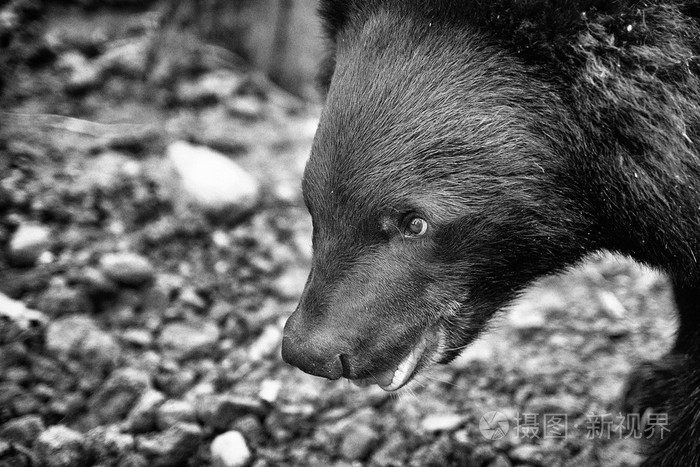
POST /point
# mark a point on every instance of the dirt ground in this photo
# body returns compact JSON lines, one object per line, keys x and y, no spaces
{"x":141,"y":321}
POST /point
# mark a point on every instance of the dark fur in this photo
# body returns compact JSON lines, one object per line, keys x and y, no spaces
{"x":529,"y":134}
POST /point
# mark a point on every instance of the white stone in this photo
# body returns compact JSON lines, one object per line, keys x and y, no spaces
{"x":441,"y":422}
{"x":17,"y":318}
{"x":230,"y":450}
{"x":267,"y":344}
{"x":212,"y":181}
{"x":611,"y":304}
{"x":269,"y":390}
{"x":28,"y":243}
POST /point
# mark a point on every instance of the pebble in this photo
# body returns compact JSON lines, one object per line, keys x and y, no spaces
{"x":108,"y":445}
{"x":18,"y":321}
{"x":556,"y":404}
{"x":266,"y":344}
{"x":175,"y":411}
{"x":245,"y":107}
{"x":290,"y":285}
{"x":500,"y":461}
{"x":190,"y":297}
{"x":528,"y":313}
{"x":528,"y":453}
{"x":82,"y":75}
{"x":358,"y":442}
{"x":230,"y":450}
{"x":479,"y":351}
{"x":189,"y":338}
{"x":28,"y":243}
{"x":212,"y":182}
{"x":125,"y":58}
{"x":22,"y":430}
{"x":142,"y":417}
{"x":392,"y":453}
{"x":138,"y":337}
{"x":269,"y":390}
{"x":441,"y":422}
{"x":219,"y":411}
{"x":96,"y":282}
{"x":59,"y":446}
{"x":172,"y":447}
{"x":526,"y":316}
{"x":127,"y":268}
{"x":215,"y":85}
{"x":79,"y":336}
{"x":611,"y":305}
{"x":61,"y":300}
{"x":119,"y":394}
{"x":221,"y":310}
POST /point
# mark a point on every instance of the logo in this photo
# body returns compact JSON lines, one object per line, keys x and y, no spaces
{"x":493,"y":425}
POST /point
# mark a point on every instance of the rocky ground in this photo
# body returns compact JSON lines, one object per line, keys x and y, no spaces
{"x":153,"y":241}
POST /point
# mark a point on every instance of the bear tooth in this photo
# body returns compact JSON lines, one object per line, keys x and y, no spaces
{"x":405,"y":368}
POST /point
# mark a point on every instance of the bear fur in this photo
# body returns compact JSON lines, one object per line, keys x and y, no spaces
{"x":527,"y":134}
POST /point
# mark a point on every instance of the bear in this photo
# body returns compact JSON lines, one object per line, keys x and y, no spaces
{"x":468,"y":148}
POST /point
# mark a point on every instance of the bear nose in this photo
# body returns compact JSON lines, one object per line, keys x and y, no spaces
{"x":317,"y":351}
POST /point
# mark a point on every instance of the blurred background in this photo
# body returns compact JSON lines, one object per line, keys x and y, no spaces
{"x":153,"y":241}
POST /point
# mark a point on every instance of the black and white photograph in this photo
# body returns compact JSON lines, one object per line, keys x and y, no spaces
{"x":349,"y":233}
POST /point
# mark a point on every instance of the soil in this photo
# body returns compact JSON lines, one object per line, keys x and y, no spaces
{"x":136,"y":328}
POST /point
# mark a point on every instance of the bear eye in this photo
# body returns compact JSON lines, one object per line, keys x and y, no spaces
{"x":416,"y":227}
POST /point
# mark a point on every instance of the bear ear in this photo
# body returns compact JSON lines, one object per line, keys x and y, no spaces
{"x":334,"y":17}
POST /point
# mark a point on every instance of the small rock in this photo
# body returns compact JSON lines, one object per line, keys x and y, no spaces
{"x":392,"y":453}
{"x":230,"y":450}
{"x":82,"y":74}
{"x":269,"y":390}
{"x":216,"y":85}
{"x":108,"y":445}
{"x":175,"y":411}
{"x":213,"y":182}
{"x":526,"y":316}
{"x":138,"y":337}
{"x":621,"y":453}
{"x":556,"y":404}
{"x":96,"y":282}
{"x":218,"y":412}
{"x":247,"y":107}
{"x":441,"y":422}
{"x":23,"y":430}
{"x":616,"y":330}
{"x":119,"y":394}
{"x":191,"y":338}
{"x":221,"y":310}
{"x":500,"y":461}
{"x":18,"y":321}
{"x":611,"y":305}
{"x":173,"y":447}
{"x":125,"y":58}
{"x":142,"y":417}
{"x":251,"y":428}
{"x":290,"y":285}
{"x":133,"y":459}
{"x":79,"y":336}
{"x":528,"y":313}
{"x":267,"y":344}
{"x":61,"y":300}
{"x":190,"y":297}
{"x":127,"y":268}
{"x":358,"y":442}
{"x":59,"y":446}
{"x":28,"y":243}
{"x":528,"y":453}
{"x":480,"y":350}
